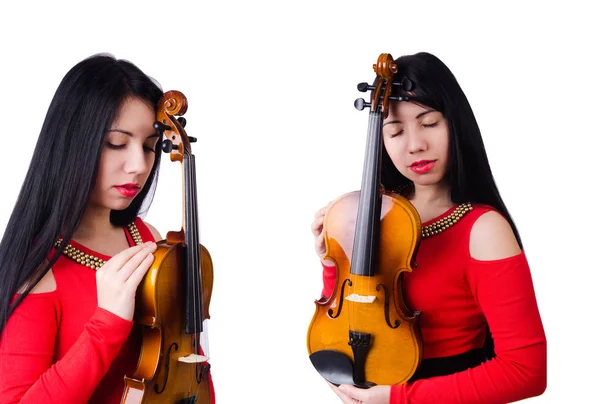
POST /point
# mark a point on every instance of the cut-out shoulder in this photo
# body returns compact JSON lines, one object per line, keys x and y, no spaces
{"x":45,"y":285}
{"x":492,"y":238}
{"x":155,"y":233}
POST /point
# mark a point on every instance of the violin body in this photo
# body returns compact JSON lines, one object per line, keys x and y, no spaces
{"x":364,"y":334}
{"x":173,"y":299}
{"x":394,"y":352}
{"x":160,"y":377}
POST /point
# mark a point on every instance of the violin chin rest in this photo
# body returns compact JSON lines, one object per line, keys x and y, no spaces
{"x":335,"y":367}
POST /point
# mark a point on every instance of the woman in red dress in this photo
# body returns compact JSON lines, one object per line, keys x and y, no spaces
{"x":66,"y":326}
{"x":483,"y":339}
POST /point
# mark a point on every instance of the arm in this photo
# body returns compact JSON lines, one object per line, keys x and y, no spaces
{"x":27,"y":371}
{"x":501,"y":283}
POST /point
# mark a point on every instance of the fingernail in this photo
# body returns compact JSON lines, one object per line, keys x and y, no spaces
{"x":342,"y":388}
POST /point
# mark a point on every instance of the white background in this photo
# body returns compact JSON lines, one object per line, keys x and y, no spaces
{"x":270,"y":89}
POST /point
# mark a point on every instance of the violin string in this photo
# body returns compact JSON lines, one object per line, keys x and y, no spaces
{"x":201,"y":337}
{"x":373,"y":145}
{"x":377,"y":144}
{"x":195,"y":266}
{"x":190,"y":265}
{"x":189,"y":256}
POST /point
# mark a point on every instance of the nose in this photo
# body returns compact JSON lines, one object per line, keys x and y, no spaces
{"x":136,"y":161}
{"x":416,"y":141}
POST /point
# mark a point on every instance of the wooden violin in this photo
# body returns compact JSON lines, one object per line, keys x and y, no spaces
{"x":364,"y":334}
{"x":173,"y":299}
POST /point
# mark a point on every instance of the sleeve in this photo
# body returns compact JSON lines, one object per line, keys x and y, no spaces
{"x":28,"y":373}
{"x":504,"y":291}
{"x":329,"y":278}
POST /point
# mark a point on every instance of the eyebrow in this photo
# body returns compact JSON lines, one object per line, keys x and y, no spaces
{"x":417,"y":117}
{"x":131,"y":134}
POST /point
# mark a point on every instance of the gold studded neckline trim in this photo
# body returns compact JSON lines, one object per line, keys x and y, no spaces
{"x":447,"y":221}
{"x":92,"y":261}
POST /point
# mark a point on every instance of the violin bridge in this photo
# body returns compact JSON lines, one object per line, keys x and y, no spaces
{"x":360,"y":298}
{"x":193,"y":358}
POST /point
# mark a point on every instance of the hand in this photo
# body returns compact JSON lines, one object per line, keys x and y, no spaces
{"x":317,"y":230}
{"x":117,"y":280}
{"x":354,"y":395}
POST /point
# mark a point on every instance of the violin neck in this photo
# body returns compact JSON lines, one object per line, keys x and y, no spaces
{"x":366,"y":235}
{"x":193,"y":281}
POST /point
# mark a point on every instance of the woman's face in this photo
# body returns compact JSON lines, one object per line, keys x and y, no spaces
{"x":416,"y":139}
{"x":127,"y":157}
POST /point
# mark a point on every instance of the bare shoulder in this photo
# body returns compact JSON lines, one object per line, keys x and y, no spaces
{"x":155,"y":233}
{"x":492,"y":238}
{"x":45,"y":285}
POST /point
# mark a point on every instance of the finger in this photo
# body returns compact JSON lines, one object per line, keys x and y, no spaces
{"x":137,"y":275}
{"x":354,"y":392}
{"x":130,"y":266}
{"x":319,"y":243}
{"x":322,"y":211}
{"x":120,"y":259}
{"x":341,"y":395}
{"x":317,"y":226}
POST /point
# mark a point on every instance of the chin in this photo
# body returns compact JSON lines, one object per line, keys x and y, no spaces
{"x":120,"y":205}
{"x":425,"y":180}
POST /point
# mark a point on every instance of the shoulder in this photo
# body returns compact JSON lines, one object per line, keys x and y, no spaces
{"x":45,"y":285}
{"x":155,"y":233}
{"x":492,"y":237}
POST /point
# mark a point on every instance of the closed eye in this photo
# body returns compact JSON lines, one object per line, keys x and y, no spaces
{"x":431,"y":125}
{"x":401,"y":131}
{"x":147,"y":149}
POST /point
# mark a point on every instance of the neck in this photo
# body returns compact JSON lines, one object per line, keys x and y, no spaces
{"x":431,"y":195}
{"x":95,"y":221}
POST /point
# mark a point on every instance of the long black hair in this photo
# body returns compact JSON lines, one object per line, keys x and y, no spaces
{"x":469,"y":173}
{"x":64,"y":168}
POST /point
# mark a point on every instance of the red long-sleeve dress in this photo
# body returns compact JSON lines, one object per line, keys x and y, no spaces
{"x":60,"y":347}
{"x":459,"y":297}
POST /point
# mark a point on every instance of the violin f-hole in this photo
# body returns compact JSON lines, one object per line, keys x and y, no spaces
{"x":157,"y":389}
{"x":386,"y":309}
{"x":202,"y":370}
{"x":341,"y":300}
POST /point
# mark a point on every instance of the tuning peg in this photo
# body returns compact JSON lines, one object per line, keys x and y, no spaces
{"x":167,"y":146}
{"x":182,"y":121}
{"x":192,"y":139}
{"x":363,"y":87}
{"x":360,"y":104}
{"x":161,"y":127}
{"x":407,"y":84}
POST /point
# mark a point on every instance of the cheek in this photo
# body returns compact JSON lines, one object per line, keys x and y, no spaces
{"x":150,"y":159}
{"x":444,"y":145}
{"x":394,"y":148}
{"x":104,"y":167}
{"x":442,"y":139}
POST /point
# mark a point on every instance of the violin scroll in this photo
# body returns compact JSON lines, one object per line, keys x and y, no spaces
{"x":176,"y":141}
{"x":385,"y":68}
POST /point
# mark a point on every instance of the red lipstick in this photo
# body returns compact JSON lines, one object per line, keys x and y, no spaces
{"x":422,"y":166}
{"x":128,"y":190}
